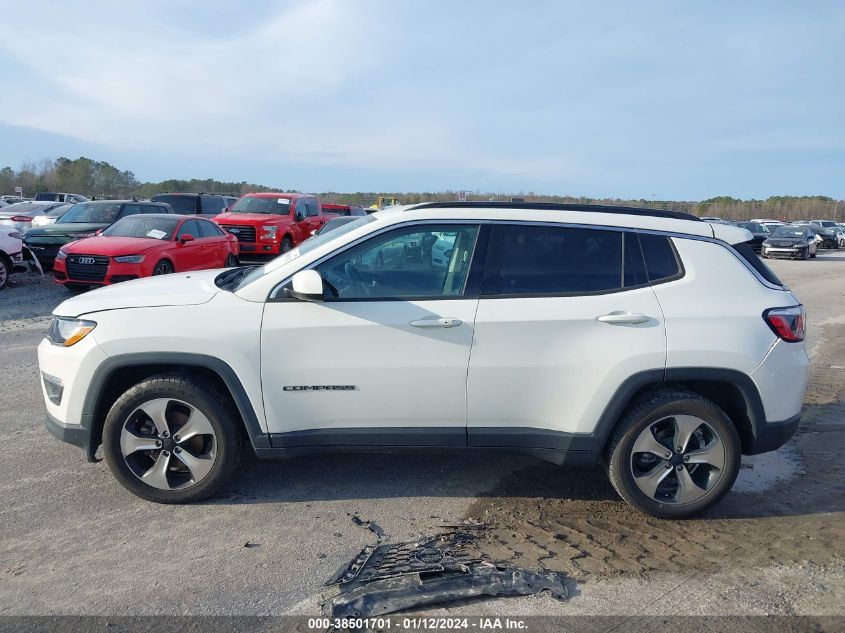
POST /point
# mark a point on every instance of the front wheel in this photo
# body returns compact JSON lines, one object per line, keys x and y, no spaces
{"x":164,"y":267}
{"x":674,"y":455}
{"x":170,"y":439}
{"x":286,"y":245}
{"x":806,"y":253}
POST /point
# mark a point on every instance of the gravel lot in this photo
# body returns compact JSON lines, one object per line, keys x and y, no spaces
{"x":75,"y":542}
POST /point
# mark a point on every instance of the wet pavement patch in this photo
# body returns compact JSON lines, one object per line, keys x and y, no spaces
{"x":442,"y":569}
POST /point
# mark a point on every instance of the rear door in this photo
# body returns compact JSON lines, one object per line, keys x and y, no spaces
{"x":214,"y":242}
{"x":566,"y":315}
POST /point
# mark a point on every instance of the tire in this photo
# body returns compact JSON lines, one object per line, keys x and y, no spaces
{"x":231,"y":261}
{"x":632,"y":471}
{"x":287,"y":244}
{"x":134,"y":446}
{"x":806,"y":254}
{"x":163,"y":267}
{"x":5,"y":270}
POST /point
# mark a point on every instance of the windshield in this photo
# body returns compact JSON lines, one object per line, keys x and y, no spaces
{"x":91,"y":212}
{"x":179,"y":204}
{"x":306,"y":247}
{"x":141,"y":226}
{"x":249,"y":204}
{"x":786,"y":231}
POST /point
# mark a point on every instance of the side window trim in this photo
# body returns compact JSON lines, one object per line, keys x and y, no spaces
{"x":479,"y":256}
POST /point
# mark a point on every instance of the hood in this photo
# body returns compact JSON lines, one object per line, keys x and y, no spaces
{"x":178,"y":289}
{"x":249,"y":218}
{"x":785,"y":241}
{"x":71,"y":228}
{"x":114,"y":246}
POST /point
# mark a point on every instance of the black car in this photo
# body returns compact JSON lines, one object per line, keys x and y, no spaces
{"x":81,"y":220}
{"x":793,"y":242}
{"x":829,"y":237}
{"x":209,"y":204}
{"x":759,"y":234}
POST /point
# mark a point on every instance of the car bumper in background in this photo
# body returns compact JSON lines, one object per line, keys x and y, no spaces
{"x":788,"y":252}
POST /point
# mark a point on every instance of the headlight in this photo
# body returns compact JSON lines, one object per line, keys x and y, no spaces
{"x":269,"y":232}
{"x":129,"y":259}
{"x":61,"y":254}
{"x":66,"y":331}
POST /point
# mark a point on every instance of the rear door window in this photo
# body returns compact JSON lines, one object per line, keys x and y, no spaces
{"x":207,"y":229}
{"x":534,"y":260}
{"x":311,"y":209}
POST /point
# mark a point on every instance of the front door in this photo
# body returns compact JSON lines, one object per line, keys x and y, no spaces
{"x":566,"y":315}
{"x":384,"y":361}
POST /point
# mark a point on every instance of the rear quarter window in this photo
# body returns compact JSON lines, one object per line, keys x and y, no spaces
{"x":661,"y":260}
{"x":745,"y":251}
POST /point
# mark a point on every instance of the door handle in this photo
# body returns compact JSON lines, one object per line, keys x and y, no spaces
{"x":623,"y":318}
{"x":444,"y":322}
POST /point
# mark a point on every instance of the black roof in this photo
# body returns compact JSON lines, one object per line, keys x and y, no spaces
{"x":556,"y":206}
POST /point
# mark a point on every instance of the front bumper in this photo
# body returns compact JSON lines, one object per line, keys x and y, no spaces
{"x":783,"y":251}
{"x":71,"y":433}
{"x":115,"y":273}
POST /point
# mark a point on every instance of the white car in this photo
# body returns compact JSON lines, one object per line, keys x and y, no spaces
{"x":51,"y":216}
{"x":648,"y":340}
{"x":11,"y":253}
{"x":22,"y":215}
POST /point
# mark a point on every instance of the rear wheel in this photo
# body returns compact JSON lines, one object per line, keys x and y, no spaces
{"x":674,"y":455}
{"x":171,"y":440}
{"x":164,"y":267}
{"x":5,"y":271}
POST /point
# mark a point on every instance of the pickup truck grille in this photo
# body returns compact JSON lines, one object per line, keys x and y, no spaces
{"x":243,"y":232}
{"x":87,"y":267}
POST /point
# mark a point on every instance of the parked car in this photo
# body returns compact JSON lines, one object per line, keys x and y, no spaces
{"x":208,"y":204}
{"x":11,"y":253}
{"x":143,"y":246}
{"x":343,"y":209}
{"x":335,"y":223}
{"x":49,"y":196}
{"x":828,"y":237}
{"x":272,"y":223}
{"x":649,"y":341}
{"x":11,"y":199}
{"x":828,"y":224}
{"x":22,"y":215}
{"x":790,"y":241}
{"x":840,"y":235}
{"x":769,"y":224}
{"x":84,"y":220}
{"x":51,"y":216}
{"x":759,"y":233}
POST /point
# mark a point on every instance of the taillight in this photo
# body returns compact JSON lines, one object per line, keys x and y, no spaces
{"x":787,"y":323}
{"x":21,"y":218}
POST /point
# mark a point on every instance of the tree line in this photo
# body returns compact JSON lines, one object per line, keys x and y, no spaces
{"x":99,"y":179}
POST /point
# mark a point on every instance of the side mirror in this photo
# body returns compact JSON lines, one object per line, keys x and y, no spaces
{"x":299,"y":216}
{"x":306,"y":285}
{"x":187,"y":237}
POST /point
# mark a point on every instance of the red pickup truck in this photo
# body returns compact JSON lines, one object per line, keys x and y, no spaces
{"x":272,"y":223}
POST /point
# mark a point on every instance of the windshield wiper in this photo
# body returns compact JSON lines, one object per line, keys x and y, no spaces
{"x":233,"y":277}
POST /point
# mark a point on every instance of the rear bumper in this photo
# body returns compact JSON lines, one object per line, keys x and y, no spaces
{"x":772,"y":435}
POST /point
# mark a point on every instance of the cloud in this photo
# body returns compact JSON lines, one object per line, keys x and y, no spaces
{"x":612,"y":99}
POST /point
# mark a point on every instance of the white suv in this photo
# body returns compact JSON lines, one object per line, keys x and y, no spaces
{"x":650,"y":340}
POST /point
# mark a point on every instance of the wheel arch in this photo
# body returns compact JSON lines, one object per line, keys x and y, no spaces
{"x":118,"y":373}
{"x":731,"y":390}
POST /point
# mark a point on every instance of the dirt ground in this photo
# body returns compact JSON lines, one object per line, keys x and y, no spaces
{"x":74,"y":542}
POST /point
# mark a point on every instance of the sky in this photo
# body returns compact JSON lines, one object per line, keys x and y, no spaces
{"x":648,"y":99}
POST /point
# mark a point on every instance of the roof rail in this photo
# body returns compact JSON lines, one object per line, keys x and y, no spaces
{"x":559,"y":206}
